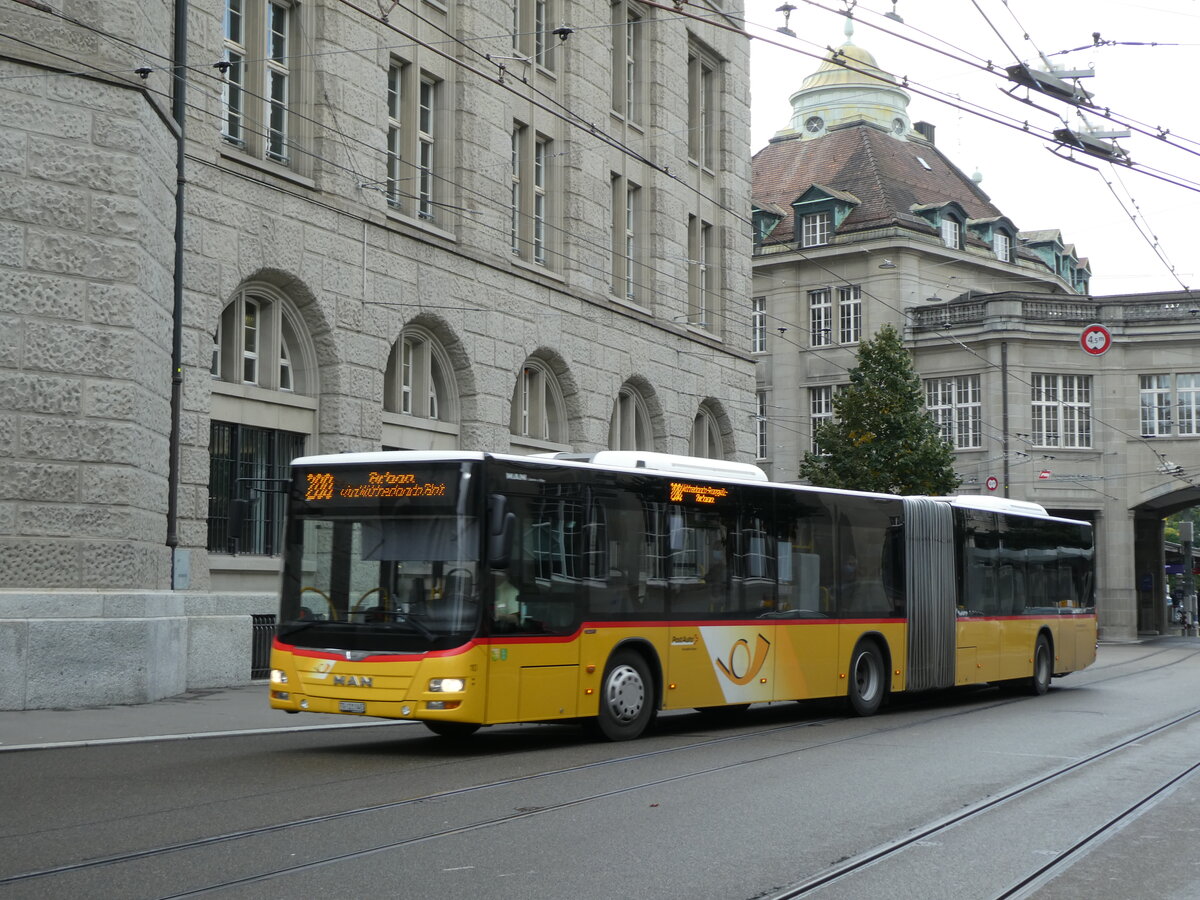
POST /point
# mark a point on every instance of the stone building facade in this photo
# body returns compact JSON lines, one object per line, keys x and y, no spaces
{"x":861,"y":221}
{"x":234,"y":231}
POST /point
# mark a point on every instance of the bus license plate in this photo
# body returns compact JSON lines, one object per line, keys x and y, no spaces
{"x":354,"y":706}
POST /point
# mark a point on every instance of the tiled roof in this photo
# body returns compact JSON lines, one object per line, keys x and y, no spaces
{"x":884,"y":173}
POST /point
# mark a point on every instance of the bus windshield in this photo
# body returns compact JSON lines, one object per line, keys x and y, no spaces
{"x":382,"y":576}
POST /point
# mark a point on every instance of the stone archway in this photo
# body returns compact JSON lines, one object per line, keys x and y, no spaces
{"x":1149,"y":556}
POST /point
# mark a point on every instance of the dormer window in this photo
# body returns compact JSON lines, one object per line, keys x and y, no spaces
{"x":815,"y":229}
{"x":952,"y":233}
{"x":819,"y":211}
{"x":948,"y":218}
{"x":1002,"y":246}
{"x":766,"y":217}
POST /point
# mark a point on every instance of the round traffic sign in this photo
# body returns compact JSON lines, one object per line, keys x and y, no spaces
{"x":992,"y":482}
{"x":1095,"y":340}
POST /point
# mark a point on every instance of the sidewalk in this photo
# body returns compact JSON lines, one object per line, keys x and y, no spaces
{"x":236,"y":710}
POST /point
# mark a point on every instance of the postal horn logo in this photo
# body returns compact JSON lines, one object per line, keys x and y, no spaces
{"x":744,"y":663}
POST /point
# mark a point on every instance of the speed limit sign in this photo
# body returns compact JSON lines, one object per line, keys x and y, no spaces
{"x":992,"y":482}
{"x":1095,"y":340}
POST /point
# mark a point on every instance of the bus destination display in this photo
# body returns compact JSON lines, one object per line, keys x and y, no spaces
{"x":699,"y":493}
{"x":372,"y":484}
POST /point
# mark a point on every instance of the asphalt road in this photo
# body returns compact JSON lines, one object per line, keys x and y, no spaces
{"x":1087,"y":792}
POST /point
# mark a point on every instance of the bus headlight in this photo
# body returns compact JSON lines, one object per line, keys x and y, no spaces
{"x":278,"y":676}
{"x":447,"y":685}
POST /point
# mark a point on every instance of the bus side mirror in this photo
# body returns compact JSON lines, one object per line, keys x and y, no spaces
{"x":501,"y":525}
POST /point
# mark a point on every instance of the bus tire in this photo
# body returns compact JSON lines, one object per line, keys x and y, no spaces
{"x":867,"y":683}
{"x":455,"y":731}
{"x":627,"y":704}
{"x":1043,"y":667}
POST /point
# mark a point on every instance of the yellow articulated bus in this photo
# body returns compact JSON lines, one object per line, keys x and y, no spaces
{"x":465,"y":589}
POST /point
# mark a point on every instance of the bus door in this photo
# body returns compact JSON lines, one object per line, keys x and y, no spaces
{"x":980,"y":627}
{"x":534,"y":607}
{"x":715,"y":551}
{"x":805,"y":613}
{"x":870,"y":602}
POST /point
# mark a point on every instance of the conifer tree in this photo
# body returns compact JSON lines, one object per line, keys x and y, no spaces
{"x":880,"y":437}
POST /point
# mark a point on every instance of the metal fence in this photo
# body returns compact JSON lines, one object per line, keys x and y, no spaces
{"x":260,"y":661}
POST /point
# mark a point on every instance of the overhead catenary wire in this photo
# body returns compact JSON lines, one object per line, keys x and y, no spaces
{"x":328,"y":161}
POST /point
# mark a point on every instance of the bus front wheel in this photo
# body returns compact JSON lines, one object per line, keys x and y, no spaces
{"x":1039,"y":683}
{"x":867,"y":685}
{"x":626,"y":697}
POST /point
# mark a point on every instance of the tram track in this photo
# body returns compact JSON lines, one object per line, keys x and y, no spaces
{"x":884,"y":727}
{"x":1086,"y":673}
{"x":199,"y":844}
{"x":1036,"y":879}
{"x":845,"y":871}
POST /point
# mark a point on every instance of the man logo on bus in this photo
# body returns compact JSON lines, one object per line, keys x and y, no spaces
{"x":744,"y":665}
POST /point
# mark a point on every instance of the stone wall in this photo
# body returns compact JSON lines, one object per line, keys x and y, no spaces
{"x":87,"y":204}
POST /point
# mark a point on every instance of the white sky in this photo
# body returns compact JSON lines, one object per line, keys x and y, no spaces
{"x":1153,"y":87}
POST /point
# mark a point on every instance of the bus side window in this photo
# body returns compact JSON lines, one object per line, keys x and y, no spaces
{"x":805,"y":525}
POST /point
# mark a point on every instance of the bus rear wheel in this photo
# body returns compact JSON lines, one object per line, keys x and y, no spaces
{"x":626,"y":698}
{"x":867,"y":685}
{"x":1043,"y":670}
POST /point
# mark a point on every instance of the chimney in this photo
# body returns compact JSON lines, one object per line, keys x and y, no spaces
{"x":925,"y":129}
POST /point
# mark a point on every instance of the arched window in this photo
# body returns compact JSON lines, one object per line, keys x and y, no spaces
{"x":630,"y":427}
{"x":254,"y":340}
{"x":420,"y":400}
{"x":706,"y":435}
{"x":262,"y":416}
{"x":538,"y":417}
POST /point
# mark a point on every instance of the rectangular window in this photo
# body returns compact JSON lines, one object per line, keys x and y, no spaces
{"x":820,"y":318}
{"x":849,"y":314}
{"x":518,"y":138}
{"x":530,"y":155}
{"x":247,"y":468}
{"x":426,"y":148}
{"x":258,"y":94}
{"x":1154,"y":395}
{"x":1187,"y":389}
{"x":234,"y":92}
{"x":629,"y":248}
{"x":820,"y":409}
{"x":396,"y":176}
{"x":412,"y":151}
{"x":758,"y":325}
{"x":626,"y":61}
{"x":702,"y":111}
{"x":278,"y":81}
{"x":531,"y":31}
{"x":760,"y":425}
{"x":815,"y":229}
{"x":1062,"y":410}
{"x":624,"y":257}
{"x":955,"y":404}
{"x":701,"y":273}
{"x":541,"y":152}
